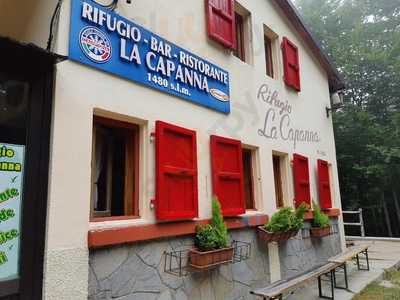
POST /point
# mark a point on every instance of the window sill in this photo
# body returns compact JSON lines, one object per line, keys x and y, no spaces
{"x":102,"y":234}
{"x":331,"y":212}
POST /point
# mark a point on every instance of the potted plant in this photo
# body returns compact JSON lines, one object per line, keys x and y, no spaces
{"x":320,"y":225}
{"x":211,"y":242}
{"x":283,"y":225}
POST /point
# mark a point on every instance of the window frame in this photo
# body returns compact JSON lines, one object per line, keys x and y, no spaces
{"x":251,"y":153}
{"x":278,"y":180}
{"x":286,"y":177}
{"x":273,"y":38}
{"x":240,"y":49}
{"x":246,"y":35}
{"x":269,"y":62}
{"x":112,"y":121}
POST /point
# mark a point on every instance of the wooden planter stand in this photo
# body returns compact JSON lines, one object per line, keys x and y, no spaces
{"x":320,"y":232}
{"x":202,"y":260}
{"x":266,"y":236}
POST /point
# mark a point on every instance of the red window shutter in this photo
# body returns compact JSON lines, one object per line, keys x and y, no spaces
{"x":221,"y":22}
{"x":301,"y":180}
{"x":324,"y":185}
{"x":291,"y":65}
{"x":227,"y":175}
{"x":176,"y":172}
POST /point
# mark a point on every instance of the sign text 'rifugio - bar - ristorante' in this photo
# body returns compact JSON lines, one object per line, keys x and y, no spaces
{"x":104,"y":40}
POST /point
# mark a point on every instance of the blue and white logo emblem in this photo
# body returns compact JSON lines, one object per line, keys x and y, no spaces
{"x":95,"y":44}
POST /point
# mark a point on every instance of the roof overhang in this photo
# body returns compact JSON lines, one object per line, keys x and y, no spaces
{"x":28,"y":58}
{"x":336,"y":82}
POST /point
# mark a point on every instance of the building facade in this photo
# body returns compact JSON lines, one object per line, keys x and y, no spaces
{"x":154,"y":108}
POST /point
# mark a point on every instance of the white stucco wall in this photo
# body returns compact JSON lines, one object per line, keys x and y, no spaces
{"x":80,"y":89}
{"x":27,"y":20}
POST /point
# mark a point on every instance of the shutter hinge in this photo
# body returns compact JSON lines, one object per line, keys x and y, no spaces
{"x":152,"y":137}
{"x":152,"y":203}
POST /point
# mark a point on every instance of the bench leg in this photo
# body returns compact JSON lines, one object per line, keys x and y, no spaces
{"x":365,"y":253}
{"x":366,"y":256}
{"x":332,"y":279}
{"x":346,"y":287}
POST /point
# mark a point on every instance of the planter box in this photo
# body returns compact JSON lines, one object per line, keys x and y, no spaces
{"x":266,"y":236}
{"x":320,"y":232}
{"x":202,"y":260}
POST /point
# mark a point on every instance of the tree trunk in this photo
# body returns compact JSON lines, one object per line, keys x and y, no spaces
{"x":397,"y":208}
{"x":387,"y":217}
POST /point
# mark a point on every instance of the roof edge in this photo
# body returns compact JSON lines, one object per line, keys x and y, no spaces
{"x":336,"y":81}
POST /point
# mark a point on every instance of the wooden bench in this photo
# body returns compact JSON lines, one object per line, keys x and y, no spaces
{"x":279,"y":288}
{"x":350,"y":253}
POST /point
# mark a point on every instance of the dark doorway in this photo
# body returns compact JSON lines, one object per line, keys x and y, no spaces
{"x":26,"y":88}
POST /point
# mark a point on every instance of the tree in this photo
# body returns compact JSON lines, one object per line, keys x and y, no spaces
{"x":362,"y":38}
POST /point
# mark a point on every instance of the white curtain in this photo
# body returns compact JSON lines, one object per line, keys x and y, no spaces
{"x":99,"y":165}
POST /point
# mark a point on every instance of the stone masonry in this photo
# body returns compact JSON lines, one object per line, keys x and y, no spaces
{"x":136,"y":271}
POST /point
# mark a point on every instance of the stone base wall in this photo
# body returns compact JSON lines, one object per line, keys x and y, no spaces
{"x":133,"y":272}
{"x":136,"y":271}
{"x":303,"y":253}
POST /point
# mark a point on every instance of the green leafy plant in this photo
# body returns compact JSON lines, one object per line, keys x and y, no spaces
{"x":287,"y":219}
{"x":320,"y":219}
{"x":217,"y":222}
{"x":215,"y":235}
{"x":298,"y":220}
{"x":205,"y":239}
{"x":280,"y":221}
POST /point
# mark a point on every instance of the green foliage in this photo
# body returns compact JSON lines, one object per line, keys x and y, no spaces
{"x":320,"y":219}
{"x":217,"y":222}
{"x":362,"y":38}
{"x":286,"y":219}
{"x":378,"y":291}
{"x":298,"y":220}
{"x":214,"y":235}
{"x":205,"y":239}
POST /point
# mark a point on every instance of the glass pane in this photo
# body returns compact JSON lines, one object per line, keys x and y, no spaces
{"x":14,"y":99}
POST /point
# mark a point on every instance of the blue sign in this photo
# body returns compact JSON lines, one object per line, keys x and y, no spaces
{"x":104,"y":40}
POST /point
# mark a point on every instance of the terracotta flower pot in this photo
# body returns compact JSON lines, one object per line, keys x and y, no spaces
{"x":320,"y":232}
{"x":275,"y":236}
{"x":201,"y":260}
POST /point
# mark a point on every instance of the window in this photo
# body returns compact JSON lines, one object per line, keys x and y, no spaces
{"x":291,"y":65}
{"x":115,"y":168}
{"x":278,"y":181}
{"x":227,"y":174}
{"x":243,"y":32}
{"x":268,"y":57}
{"x":301,"y":180}
{"x":270,"y":40}
{"x":176,"y":172}
{"x":324,"y":184}
{"x":221,"y":22}
{"x":239,"y":51}
{"x":248,"y":178}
